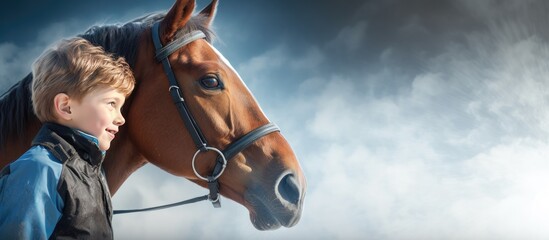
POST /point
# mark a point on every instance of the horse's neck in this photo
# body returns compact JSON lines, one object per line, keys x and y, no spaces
{"x":121,"y":161}
{"x":13,"y":148}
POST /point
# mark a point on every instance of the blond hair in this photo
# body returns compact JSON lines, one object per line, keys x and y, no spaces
{"x":75,"y":67}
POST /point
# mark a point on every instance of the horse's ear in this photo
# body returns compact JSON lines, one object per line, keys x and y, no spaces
{"x":176,"y":18}
{"x":209,"y":12}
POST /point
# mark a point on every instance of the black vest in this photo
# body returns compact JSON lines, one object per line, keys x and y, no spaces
{"x":87,"y":211}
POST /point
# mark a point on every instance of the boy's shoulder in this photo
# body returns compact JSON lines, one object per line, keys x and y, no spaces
{"x":37,"y":158}
{"x":35,"y":173}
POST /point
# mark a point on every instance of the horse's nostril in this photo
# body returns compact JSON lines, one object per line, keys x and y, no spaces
{"x":288,"y":188}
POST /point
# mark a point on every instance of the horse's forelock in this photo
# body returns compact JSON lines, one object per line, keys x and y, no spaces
{"x":200,"y":23}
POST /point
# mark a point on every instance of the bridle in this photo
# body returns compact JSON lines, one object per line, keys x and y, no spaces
{"x":162,"y":54}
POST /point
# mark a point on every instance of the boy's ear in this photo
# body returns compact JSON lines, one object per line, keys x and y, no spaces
{"x":62,"y":106}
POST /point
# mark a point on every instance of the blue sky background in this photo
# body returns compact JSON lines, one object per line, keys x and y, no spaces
{"x":418,"y":119}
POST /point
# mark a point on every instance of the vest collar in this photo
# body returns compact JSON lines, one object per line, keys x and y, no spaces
{"x":71,"y":141}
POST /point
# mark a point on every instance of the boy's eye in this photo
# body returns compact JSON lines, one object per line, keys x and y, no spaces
{"x":112,"y":104}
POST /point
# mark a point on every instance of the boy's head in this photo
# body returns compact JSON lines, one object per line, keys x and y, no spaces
{"x":75,"y":83}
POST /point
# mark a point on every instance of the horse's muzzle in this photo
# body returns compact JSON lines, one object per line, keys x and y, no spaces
{"x":281,"y":207}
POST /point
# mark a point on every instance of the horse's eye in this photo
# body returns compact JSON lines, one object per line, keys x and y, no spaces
{"x":211,"y":82}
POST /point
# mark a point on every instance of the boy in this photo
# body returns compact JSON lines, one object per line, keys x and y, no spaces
{"x":56,"y":189}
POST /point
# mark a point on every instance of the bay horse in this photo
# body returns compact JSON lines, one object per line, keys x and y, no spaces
{"x":265,"y":177}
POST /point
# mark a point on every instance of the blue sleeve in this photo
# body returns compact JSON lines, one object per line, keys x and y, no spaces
{"x":30,"y":205}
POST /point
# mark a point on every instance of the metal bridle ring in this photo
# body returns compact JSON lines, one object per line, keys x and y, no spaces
{"x":208,"y":149}
{"x":170,"y":89}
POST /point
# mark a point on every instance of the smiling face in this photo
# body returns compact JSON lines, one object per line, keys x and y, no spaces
{"x":98,"y":114}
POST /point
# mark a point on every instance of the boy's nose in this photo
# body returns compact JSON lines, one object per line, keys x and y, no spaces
{"x":119,"y":120}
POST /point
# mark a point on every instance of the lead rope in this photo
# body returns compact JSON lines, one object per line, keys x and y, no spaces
{"x":192,"y":200}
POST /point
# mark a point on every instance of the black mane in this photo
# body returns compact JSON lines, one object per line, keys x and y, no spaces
{"x":15,"y":110}
{"x":123,"y":40}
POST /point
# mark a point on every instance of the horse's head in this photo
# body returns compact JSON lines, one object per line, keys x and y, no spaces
{"x":265,"y":177}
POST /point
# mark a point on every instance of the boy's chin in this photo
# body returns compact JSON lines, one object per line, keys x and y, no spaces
{"x":104,"y":147}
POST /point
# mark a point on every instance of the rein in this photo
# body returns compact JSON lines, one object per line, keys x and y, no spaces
{"x":162,"y":53}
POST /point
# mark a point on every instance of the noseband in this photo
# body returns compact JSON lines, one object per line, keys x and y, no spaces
{"x":162,"y":54}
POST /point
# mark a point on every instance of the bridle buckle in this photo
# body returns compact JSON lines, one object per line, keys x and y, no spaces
{"x":214,"y":197}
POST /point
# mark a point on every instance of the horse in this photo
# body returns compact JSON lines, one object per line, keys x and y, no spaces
{"x":265,"y":176}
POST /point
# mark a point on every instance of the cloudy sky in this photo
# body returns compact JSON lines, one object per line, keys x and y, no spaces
{"x":418,"y":119}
